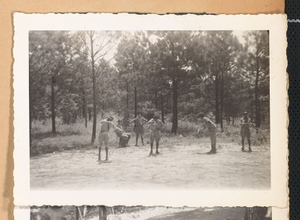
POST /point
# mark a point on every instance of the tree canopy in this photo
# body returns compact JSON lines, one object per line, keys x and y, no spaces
{"x":176,"y":74}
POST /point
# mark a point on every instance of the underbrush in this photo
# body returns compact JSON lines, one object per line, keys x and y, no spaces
{"x":77,"y":136}
{"x":67,"y":137}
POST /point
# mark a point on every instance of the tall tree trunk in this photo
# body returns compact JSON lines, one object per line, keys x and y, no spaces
{"x":175,"y":107}
{"x":221,"y":104}
{"x":102,"y":213}
{"x":90,"y":114}
{"x":256,"y":95}
{"x":127,"y":97}
{"x":94,"y":92}
{"x":162,"y":108}
{"x":259,"y":113}
{"x":126,"y":115}
{"x":217,"y":99}
{"x":77,"y":213}
{"x":84,"y":108}
{"x":135,"y":102}
{"x":53,"y":104}
{"x":155,"y":101}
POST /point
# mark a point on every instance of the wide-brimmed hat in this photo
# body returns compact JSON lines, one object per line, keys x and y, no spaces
{"x":201,"y":115}
{"x":110,"y":118}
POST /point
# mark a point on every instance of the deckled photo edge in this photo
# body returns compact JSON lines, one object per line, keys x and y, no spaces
{"x":22,"y":191}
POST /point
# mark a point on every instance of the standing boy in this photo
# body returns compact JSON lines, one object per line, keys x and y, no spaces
{"x":245,"y":130}
{"x":139,"y":127}
{"x":106,"y":124}
{"x":210,"y":127}
{"x":155,"y":126}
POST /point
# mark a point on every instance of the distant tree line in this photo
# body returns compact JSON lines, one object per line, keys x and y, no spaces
{"x":179,"y":73}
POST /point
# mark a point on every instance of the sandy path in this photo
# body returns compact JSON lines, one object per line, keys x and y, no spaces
{"x":130,"y":168}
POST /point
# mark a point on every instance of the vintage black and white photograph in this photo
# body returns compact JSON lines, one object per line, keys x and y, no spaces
{"x":149,"y":109}
{"x":185,"y":109}
{"x":148,"y":213}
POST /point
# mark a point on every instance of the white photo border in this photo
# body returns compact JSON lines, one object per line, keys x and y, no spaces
{"x":276,"y":24}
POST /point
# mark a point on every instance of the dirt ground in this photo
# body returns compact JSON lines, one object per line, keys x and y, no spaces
{"x":182,"y":164}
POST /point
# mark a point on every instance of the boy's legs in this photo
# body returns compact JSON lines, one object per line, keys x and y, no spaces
{"x":106,"y":151}
{"x":249,"y":143}
{"x":157,"y":146}
{"x":243,"y":138}
{"x":248,"y":139}
{"x":214,"y":141}
{"x":136,"y":138}
{"x":151,"y":144}
{"x":157,"y":139}
{"x":100,"y":146}
{"x":142,"y":138}
{"x":106,"y":145}
{"x":120,"y":140}
{"x":212,"y":135}
{"x":99,"y":153}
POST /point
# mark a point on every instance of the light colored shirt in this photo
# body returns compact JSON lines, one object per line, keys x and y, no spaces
{"x":155,"y":126}
{"x":245,"y":120}
{"x":105,"y":125}
{"x":209,"y":124}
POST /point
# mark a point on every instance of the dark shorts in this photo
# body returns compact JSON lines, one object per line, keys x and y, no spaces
{"x":139,"y":130}
{"x":245,"y":132}
{"x":103,"y":138}
{"x":155,"y":136}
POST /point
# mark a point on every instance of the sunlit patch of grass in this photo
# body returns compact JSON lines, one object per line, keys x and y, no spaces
{"x":72,"y":136}
{"x":58,"y":143}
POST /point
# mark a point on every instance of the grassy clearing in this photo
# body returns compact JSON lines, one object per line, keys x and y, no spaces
{"x":73,"y":136}
{"x":77,"y":136}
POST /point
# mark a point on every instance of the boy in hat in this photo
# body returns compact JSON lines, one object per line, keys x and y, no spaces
{"x":245,"y":130}
{"x":155,"y":126}
{"x":210,"y":127}
{"x":106,"y":124}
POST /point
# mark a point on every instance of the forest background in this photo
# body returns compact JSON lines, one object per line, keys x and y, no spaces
{"x":75,"y":75}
